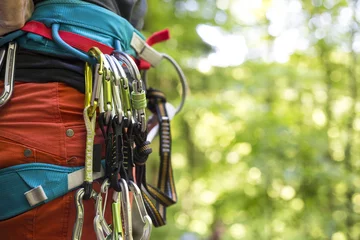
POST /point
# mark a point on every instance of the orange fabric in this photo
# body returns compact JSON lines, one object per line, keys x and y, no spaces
{"x":36,"y":118}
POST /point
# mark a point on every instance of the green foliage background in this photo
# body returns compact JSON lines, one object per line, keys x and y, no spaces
{"x":262,"y":150}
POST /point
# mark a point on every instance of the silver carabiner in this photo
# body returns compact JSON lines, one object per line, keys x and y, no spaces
{"x":100,"y":226}
{"x":77,"y":231}
{"x":124,"y":86}
{"x":79,"y":222}
{"x":138,"y":94}
{"x":145,"y":218}
{"x":126,"y":210}
{"x":9,"y":73}
{"x":116,"y":88}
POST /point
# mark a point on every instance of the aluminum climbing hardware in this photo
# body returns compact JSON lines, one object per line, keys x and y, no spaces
{"x":91,"y":103}
{"x":77,"y":231}
{"x":117,"y":105}
{"x":124,"y":88}
{"x":145,"y":218}
{"x":126,"y":210}
{"x":107,"y":95}
{"x":78,"y":226}
{"x":9,"y":73}
{"x":92,"y":94}
{"x":100,"y":226}
{"x":138,"y":95}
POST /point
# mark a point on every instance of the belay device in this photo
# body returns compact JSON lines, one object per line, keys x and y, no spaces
{"x":116,"y":97}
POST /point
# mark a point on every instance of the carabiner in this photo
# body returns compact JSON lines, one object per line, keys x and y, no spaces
{"x":100,"y":225}
{"x":138,"y":95}
{"x":124,"y":86}
{"x":92,"y":95}
{"x":78,"y":226}
{"x":121,"y":208}
{"x":107,"y":91}
{"x":145,"y":218}
{"x":9,"y":72}
{"x":116,"y":216}
{"x":77,"y":230}
{"x":115,"y":89}
{"x":125,"y":210}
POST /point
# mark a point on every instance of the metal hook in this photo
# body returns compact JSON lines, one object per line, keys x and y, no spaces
{"x":107,"y":97}
{"x":9,"y":72}
{"x":138,"y":95}
{"x":78,"y":226}
{"x":116,"y":88}
{"x":142,"y":211}
{"x":124,"y":86}
{"x":125,"y":211}
{"x":100,"y":225}
{"x":77,"y":230}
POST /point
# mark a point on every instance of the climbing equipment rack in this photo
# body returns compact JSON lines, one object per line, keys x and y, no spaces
{"x":114,"y":88}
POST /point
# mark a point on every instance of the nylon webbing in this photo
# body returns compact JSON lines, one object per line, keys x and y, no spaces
{"x":164,"y":194}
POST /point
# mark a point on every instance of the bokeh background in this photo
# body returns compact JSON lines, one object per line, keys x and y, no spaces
{"x":267,"y":146}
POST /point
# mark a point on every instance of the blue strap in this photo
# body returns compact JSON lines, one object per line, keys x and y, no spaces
{"x":16,"y":180}
{"x":56,"y":37}
{"x":10,"y":37}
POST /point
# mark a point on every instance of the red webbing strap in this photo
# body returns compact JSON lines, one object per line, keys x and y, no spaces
{"x":75,"y":40}
{"x":84,"y":44}
{"x":156,"y":37}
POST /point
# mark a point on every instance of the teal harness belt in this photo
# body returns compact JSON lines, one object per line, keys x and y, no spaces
{"x":26,"y":186}
{"x":82,"y":18}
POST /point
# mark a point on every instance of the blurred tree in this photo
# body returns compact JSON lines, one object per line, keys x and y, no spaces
{"x":267,"y":145}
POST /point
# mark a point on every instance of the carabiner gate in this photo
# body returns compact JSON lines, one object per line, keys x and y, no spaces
{"x":145,"y":218}
{"x":9,"y":72}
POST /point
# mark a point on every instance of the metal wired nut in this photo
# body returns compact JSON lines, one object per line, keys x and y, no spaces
{"x":70,"y":132}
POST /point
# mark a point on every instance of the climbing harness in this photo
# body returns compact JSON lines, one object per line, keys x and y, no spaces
{"x":116,"y":97}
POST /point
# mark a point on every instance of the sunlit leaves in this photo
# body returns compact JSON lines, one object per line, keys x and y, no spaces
{"x":259,"y":151}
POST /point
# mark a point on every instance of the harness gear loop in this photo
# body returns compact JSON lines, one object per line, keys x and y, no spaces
{"x":56,"y":37}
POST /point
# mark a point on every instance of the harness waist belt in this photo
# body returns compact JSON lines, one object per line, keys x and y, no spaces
{"x":75,"y":18}
{"x":26,"y":186}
